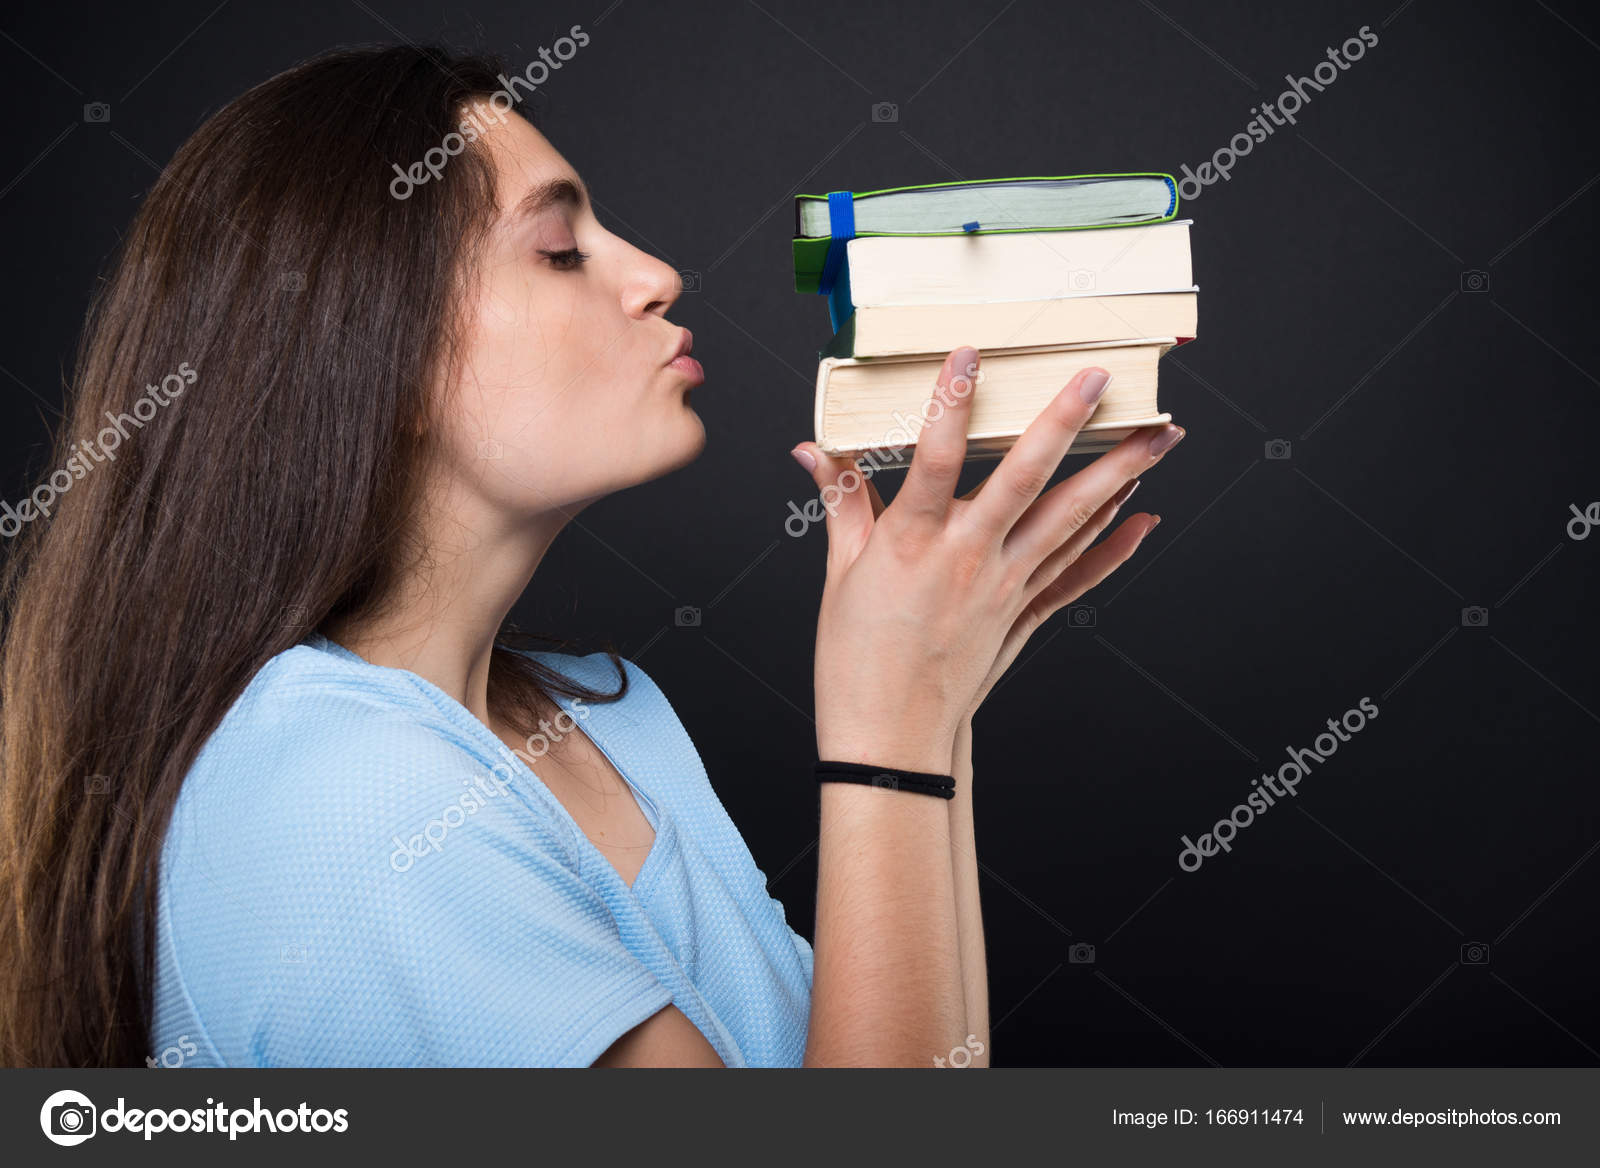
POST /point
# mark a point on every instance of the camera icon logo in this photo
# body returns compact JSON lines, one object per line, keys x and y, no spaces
{"x":1474,"y":280}
{"x":686,"y":617}
{"x":97,"y":111}
{"x":1474,"y":617}
{"x":68,"y":1118}
{"x":1475,"y":953}
{"x":1081,"y":616}
{"x":1081,"y":954}
{"x":292,"y":282}
{"x":885,"y":111}
{"x":887,"y":781}
{"x":293,"y":954}
{"x":489,"y":448}
{"x":1081,"y":280}
{"x":1277,"y":448}
{"x":689,"y":280}
{"x":97,"y":785}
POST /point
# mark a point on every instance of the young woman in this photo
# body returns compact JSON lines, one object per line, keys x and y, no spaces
{"x":276,"y":790}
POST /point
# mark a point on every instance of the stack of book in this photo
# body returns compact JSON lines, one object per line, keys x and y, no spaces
{"x":1045,"y":276}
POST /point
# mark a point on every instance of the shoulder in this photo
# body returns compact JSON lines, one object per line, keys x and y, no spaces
{"x":348,"y":853}
{"x":308,"y":718}
{"x":305,"y":702}
{"x":323,"y":762}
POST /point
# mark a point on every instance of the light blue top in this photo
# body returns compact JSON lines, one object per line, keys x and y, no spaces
{"x":359,"y":873}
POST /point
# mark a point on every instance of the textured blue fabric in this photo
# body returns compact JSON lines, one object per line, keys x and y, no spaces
{"x":359,"y":873}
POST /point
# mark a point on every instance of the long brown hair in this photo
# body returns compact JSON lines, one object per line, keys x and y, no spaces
{"x":306,"y":313}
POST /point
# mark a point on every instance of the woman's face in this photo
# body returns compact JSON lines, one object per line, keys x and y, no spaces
{"x":573,"y":383}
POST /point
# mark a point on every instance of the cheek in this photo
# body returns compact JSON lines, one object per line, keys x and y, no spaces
{"x":544,"y":359}
{"x":536,"y":335}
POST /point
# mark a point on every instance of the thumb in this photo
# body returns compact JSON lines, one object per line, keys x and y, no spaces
{"x":845,"y":496}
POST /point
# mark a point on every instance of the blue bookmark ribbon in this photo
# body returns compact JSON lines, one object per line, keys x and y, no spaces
{"x":834,"y":283}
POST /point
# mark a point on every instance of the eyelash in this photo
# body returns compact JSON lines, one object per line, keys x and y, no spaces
{"x":566,"y":260}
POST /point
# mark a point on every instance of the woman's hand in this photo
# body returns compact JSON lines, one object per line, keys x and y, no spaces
{"x":928,"y":600}
{"x":1072,"y":570}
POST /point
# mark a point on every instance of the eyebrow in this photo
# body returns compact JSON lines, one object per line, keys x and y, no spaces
{"x":555,"y":193}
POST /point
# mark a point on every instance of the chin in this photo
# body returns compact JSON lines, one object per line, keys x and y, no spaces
{"x":676,"y":444}
{"x":693,"y":441}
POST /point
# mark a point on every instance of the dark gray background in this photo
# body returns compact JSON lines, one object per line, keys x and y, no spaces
{"x":1437,"y":438}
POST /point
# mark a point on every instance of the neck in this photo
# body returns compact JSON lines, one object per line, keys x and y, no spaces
{"x":443,"y":620}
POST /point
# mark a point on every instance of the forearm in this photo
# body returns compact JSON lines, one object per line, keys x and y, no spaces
{"x":969,"y":913}
{"x":888,"y":987}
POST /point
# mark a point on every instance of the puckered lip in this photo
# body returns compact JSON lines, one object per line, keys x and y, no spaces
{"x":685,"y":346}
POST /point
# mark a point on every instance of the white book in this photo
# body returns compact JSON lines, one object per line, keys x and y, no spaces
{"x":890,"y":330}
{"x":882,"y":403}
{"x":1024,"y":265}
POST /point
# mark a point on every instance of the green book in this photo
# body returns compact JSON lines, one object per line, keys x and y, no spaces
{"x":1062,"y":203}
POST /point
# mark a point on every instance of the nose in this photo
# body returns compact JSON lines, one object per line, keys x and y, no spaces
{"x":651,"y":287}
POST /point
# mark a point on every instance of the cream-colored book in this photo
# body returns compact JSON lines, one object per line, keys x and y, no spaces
{"x":1027,"y":265}
{"x":900,"y":329}
{"x":880,"y":404}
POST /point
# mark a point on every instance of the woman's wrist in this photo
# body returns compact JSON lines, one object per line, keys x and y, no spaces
{"x":930,"y":754}
{"x":936,"y":755}
{"x":961,"y":753}
{"x":964,"y":731}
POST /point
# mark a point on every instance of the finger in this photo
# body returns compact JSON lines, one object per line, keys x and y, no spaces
{"x":1030,"y":462}
{"x":1067,"y":554}
{"x":1070,"y":505}
{"x":848,"y":508}
{"x":1095,"y":565}
{"x":942,"y":442}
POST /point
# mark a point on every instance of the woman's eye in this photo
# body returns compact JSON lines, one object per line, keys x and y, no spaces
{"x":565,"y":260}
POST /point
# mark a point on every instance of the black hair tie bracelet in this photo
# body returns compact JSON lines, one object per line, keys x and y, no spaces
{"x":942,"y":786}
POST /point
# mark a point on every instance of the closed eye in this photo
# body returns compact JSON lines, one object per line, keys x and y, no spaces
{"x":565,"y":260}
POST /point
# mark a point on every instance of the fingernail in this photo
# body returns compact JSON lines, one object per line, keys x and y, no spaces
{"x":963,"y":364}
{"x":804,"y":458}
{"x":1155,"y":522}
{"x":1166,"y":440}
{"x":1093,"y":385}
{"x":1125,"y":494}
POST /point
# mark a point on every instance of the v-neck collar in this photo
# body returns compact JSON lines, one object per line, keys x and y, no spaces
{"x":590,"y":723}
{"x":593,"y":726}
